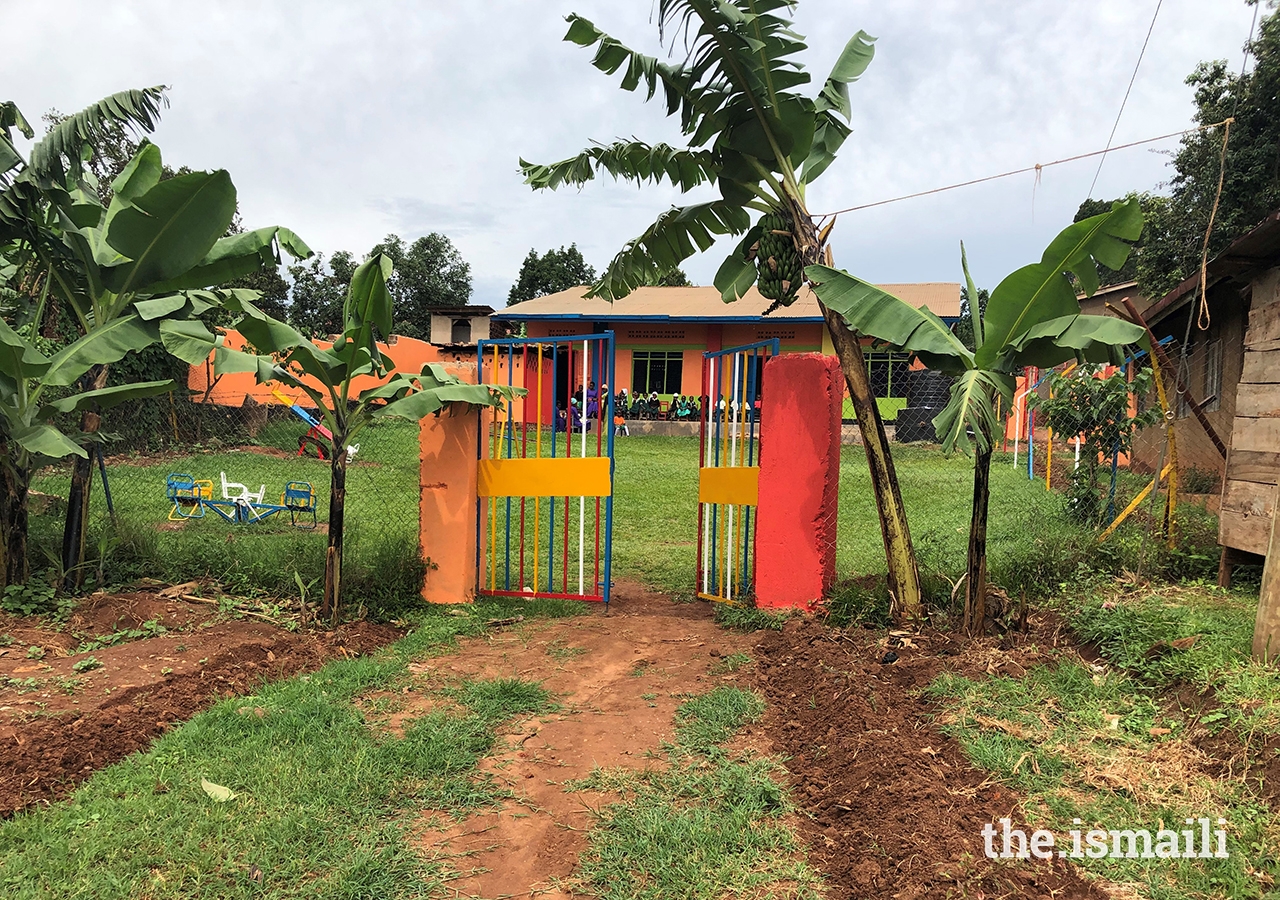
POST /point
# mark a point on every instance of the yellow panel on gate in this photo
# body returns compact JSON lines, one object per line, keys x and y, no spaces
{"x":735,"y":485}
{"x":545,"y":477}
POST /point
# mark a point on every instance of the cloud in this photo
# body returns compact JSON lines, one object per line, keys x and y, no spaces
{"x":346,"y":121}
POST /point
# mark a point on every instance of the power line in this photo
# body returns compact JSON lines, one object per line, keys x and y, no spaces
{"x":1132,"y":79}
{"x":1036,"y":168}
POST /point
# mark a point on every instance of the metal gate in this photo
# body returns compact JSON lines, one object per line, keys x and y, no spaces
{"x":729,"y":469}
{"x":540,"y":457}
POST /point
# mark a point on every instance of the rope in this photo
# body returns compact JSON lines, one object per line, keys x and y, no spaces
{"x":1202,"y":317}
{"x":1022,"y":171}
{"x":1132,"y":79}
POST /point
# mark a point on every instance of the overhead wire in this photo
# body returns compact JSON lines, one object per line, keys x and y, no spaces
{"x":1132,"y":79}
{"x":1022,"y":171}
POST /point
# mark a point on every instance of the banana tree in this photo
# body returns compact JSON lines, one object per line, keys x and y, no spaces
{"x":326,"y":375}
{"x":761,"y":142}
{"x":1032,"y":319}
{"x":30,"y":383}
{"x":147,"y":253}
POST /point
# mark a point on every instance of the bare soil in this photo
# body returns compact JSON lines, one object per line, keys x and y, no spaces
{"x":895,"y":809}
{"x":59,"y":725}
{"x":617,"y":678}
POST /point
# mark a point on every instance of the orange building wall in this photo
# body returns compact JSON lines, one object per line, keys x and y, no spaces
{"x":693,"y":339}
{"x":409,"y":355}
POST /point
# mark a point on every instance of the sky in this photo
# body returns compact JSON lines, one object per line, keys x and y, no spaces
{"x":349,"y":121}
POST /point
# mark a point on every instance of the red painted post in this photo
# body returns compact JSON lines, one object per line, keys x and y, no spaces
{"x":799,"y":480}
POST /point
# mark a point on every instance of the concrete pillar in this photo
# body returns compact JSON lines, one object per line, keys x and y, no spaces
{"x":447,"y":506}
{"x":799,"y":479}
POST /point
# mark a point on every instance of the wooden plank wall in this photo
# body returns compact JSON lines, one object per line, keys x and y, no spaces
{"x":1253,"y":463}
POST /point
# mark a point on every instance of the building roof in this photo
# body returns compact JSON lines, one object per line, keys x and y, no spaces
{"x":703,"y":304}
{"x":458,"y":312}
{"x":1258,"y":249}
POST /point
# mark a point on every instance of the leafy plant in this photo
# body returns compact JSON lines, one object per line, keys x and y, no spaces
{"x":1032,"y":319}
{"x":761,"y":142}
{"x":132,"y":274}
{"x":1100,"y":411}
{"x":31,"y":599}
{"x":327,"y":376}
{"x":88,"y":664}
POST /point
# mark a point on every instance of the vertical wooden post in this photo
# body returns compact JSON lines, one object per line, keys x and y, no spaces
{"x":1266,"y":628}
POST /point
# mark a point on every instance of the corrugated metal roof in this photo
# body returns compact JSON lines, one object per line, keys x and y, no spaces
{"x":942,"y":298}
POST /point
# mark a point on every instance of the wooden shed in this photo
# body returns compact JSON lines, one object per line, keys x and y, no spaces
{"x":1253,"y":461}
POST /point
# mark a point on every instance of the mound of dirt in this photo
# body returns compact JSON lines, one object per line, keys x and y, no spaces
{"x":895,"y":808}
{"x":59,"y":724}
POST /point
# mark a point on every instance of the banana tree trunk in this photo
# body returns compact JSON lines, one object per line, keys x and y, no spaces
{"x":903,"y":571}
{"x":15,"y":481}
{"x":975,"y":597}
{"x":76,"y":527}
{"x":337,"y":506}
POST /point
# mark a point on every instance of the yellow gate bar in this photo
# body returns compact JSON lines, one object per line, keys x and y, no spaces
{"x":545,"y":477}
{"x":733,"y":485}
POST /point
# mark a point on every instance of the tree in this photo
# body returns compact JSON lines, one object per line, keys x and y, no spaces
{"x":318,"y":294}
{"x":1033,"y":319}
{"x":326,"y":376}
{"x":1251,"y":187}
{"x":674,"y":278}
{"x":133,"y":268}
{"x":964,"y":324}
{"x":761,"y":142}
{"x":429,"y":274}
{"x":1098,"y":411}
{"x":553,"y":271}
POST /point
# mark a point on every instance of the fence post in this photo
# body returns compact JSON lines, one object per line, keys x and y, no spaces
{"x":447,"y":506}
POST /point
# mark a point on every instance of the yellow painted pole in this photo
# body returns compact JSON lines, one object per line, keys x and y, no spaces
{"x":1133,"y":504}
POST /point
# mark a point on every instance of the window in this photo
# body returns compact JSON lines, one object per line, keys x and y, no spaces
{"x":1212,"y":394}
{"x":460,"y":333}
{"x":656,"y":370}
{"x":888,"y":374}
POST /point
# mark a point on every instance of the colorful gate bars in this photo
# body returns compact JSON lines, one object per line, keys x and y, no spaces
{"x":729,"y":469}
{"x":542,"y":456}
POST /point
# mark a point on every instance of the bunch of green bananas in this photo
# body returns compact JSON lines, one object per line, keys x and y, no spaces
{"x":777,"y":262}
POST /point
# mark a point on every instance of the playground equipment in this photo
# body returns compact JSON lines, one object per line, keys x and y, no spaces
{"x":314,"y":432}
{"x":191,"y":497}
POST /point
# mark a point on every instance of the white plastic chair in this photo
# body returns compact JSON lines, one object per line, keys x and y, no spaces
{"x":233,"y":490}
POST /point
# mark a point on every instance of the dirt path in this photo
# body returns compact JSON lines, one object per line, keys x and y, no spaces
{"x":618,"y":679}
{"x":61,"y":721}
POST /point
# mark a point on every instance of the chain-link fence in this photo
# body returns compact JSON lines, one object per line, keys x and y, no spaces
{"x":249,"y":452}
{"x":1073,"y":487}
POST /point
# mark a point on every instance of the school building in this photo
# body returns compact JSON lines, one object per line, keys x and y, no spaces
{"x":662,"y":332}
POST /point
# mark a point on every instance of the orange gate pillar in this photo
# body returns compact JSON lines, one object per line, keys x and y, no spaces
{"x":447,"y":506}
{"x":799,"y":476}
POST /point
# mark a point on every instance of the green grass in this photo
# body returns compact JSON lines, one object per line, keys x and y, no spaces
{"x":708,"y":825}
{"x":324,"y":802}
{"x":1110,"y":747}
{"x":1134,"y":633}
{"x":656,"y":514}
{"x":1031,"y":544}
{"x":381,"y":557}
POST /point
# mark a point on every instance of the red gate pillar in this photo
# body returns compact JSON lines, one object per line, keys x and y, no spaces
{"x":799,"y":476}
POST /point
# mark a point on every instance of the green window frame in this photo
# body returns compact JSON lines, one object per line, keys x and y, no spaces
{"x":656,"y":370}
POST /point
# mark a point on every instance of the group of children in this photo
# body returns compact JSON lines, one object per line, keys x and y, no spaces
{"x":587,"y":404}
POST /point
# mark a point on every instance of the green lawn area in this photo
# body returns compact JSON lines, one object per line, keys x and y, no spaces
{"x":1031,"y":543}
{"x":655,"y":513}
{"x":381,"y":525}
